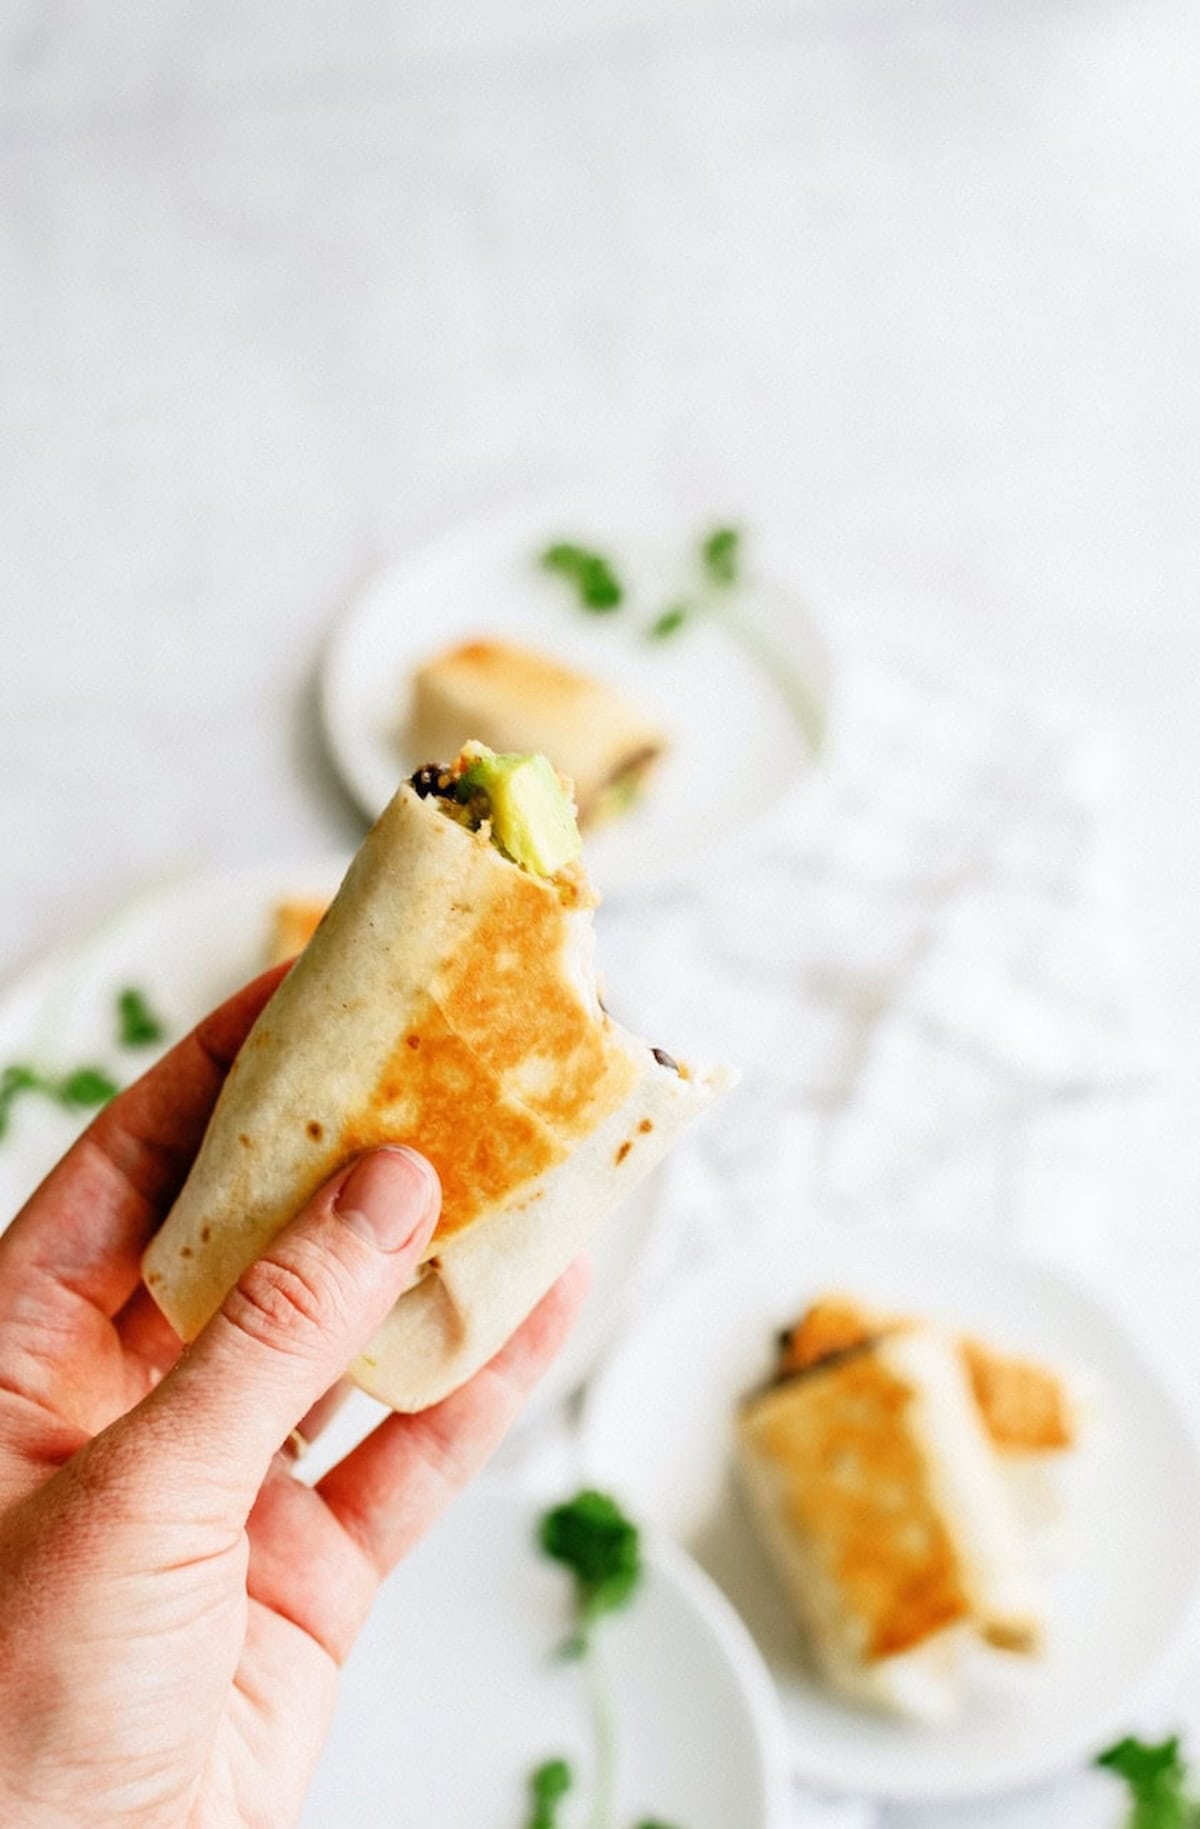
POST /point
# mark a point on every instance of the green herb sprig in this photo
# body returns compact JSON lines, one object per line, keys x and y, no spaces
{"x":721,"y":555}
{"x":669,"y":622}
{"x":1157,"y":1777}
{"x":548,"y":1785}
{"x":721,"y":564}
{"x":591,"y":1535}
{"x":599,"y":588}
{"x":137,"y":1024}
{"x":81,"y":1089}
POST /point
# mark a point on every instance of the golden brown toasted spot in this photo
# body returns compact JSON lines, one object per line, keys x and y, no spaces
{"x":523,"y":1015}
{"x":152,"y":1279}
{"x":1023,"y":1405}
{"x":645,"y":1126}
{"x":444,"y":1100}
{"x":185,"y":1251}
{"x":1011,"y":1635}
{"x":512,"y":670}
{"x":315,"y":1129}
{"x":205,"y":1234}
{"x":624,"y":1151}
{"x":414,"y":1041}
{"x":833,"y":1324}
{"x":858,"y":1489}
{"x":244,"y":1140}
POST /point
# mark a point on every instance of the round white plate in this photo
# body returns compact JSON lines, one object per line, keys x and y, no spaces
{"x":1120,"y":1594}
{"x":454,"y":1693}
{"x":187,"y":947}
{"x":745,"y":702}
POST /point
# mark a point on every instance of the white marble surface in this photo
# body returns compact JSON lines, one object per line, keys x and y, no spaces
{"x":280,"y":285}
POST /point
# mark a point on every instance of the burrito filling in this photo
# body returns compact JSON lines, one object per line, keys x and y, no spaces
{"x":518,"y":800}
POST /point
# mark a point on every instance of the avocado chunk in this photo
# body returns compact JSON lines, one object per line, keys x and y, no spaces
{"x":532,"y":818}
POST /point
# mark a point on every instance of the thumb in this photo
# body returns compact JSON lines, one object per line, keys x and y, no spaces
{"x":294,"y":1321}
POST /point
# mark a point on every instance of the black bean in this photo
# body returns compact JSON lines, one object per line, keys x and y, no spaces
{"x":432,"y":779}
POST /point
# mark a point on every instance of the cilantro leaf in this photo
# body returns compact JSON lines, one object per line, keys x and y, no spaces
{"x":670,"y":620}
{"x":137,"y":1024}
{"x":548,"y":1785}
{"x":1157,"y":1780}
{"x":86,"y":1086}
{"x":599,"y":588}
{"x":721,"y":554}
{"x":601,"y":1547}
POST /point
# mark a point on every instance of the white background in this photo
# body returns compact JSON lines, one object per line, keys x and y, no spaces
{"x":285,"y":284}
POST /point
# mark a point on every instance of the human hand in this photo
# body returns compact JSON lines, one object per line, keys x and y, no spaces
{"x":175,"y":1603}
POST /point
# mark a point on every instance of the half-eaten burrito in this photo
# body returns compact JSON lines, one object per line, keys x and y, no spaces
{"x":446,"y":1000}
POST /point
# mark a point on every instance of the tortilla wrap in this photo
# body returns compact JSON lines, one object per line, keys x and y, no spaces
{"x":878,"y":1497}
{"x":447,"y":1001}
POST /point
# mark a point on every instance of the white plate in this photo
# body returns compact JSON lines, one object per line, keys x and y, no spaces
{"x":745,"y":707}
{"x":188,"y":946}
{"x":454,"y":1694}
{"x":1121,"y":1607}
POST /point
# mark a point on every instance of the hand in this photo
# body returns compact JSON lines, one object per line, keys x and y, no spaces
{"x":175,"y":1605}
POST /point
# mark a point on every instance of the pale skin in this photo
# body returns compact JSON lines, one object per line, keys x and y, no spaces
{"x":175,"y":1603}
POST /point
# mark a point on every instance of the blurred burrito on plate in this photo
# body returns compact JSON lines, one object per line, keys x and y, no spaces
{"x":446,"y":1000}
{"x":514,"y":698}
{"x":877,"y":1494}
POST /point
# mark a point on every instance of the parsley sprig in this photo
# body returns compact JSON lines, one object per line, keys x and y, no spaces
{"x":548,"y":1785}
{"x":721,"y":555}
{"x":591,"y":1536}
{"x":600,"y":590}
{"x":601,"y":1547}
{"x":84,"y":1088}
{"x":1157,"y":1777}
{"x":668,"y":621}
{"x":137,"y":1024}
{"x":79,"y":1090}
{"x":591,"y":574}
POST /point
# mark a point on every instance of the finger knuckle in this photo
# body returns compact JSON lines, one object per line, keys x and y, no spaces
{"x":287,"y":1304}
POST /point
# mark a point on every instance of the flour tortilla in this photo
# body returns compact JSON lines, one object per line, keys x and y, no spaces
{"x":888,"y":1523}
{"x":447,"y":1001}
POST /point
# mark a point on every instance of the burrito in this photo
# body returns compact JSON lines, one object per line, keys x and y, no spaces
{"x":446,"y":1000}
{"x":878,"y":1498}
{"x":1025,"y":1407}
{"x":515,"y":698}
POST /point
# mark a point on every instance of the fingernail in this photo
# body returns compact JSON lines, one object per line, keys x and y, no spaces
{"x":389,"y":1198}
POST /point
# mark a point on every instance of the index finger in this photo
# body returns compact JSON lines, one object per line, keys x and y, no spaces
{"x":87,"y":1225}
